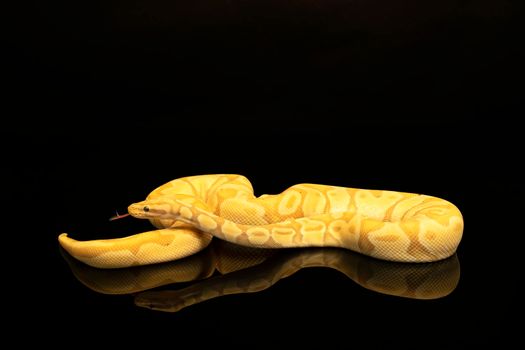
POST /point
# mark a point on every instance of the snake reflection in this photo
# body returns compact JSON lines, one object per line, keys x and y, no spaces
{"x":224,"y":269}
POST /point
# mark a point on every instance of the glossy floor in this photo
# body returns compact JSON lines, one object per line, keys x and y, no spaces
{"x":245,"y":270}
{"x":242,"y":297}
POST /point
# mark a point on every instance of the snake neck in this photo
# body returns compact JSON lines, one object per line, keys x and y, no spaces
{"x":210,"y":191}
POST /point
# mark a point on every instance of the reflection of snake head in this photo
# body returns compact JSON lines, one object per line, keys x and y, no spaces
{"x":168,"y":301}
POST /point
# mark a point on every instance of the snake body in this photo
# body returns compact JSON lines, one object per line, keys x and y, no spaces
{"x":190,"y":211}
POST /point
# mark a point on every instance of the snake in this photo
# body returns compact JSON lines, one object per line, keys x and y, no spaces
{"x":224,"y":269}
{"x":190,"y":211}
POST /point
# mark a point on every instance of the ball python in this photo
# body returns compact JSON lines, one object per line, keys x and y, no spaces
{"x":188,"y":212}
{"x":224,"y":269}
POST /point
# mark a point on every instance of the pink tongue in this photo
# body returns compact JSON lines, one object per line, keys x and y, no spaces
{"x":116,"y":217}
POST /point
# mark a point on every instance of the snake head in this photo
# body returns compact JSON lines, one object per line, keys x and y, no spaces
{"x":152,"y":209}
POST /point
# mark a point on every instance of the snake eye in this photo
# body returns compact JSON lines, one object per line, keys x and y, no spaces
{"x":146,"y":208}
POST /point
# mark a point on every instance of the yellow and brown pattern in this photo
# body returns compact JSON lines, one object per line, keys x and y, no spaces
{"x":189,"y":211}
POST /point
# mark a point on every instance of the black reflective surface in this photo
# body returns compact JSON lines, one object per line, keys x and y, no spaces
{"x":108,"y":101}
{"x":223,"y":269}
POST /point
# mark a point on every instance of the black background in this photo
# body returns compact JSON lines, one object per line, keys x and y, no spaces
{"x":108,"y":101}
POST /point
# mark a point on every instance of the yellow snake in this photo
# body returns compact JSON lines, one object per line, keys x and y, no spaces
{"x":189,"y":211}
{"x":225,"y":269}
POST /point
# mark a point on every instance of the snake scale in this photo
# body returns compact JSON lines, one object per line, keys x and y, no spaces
{"x":188,"y":212}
